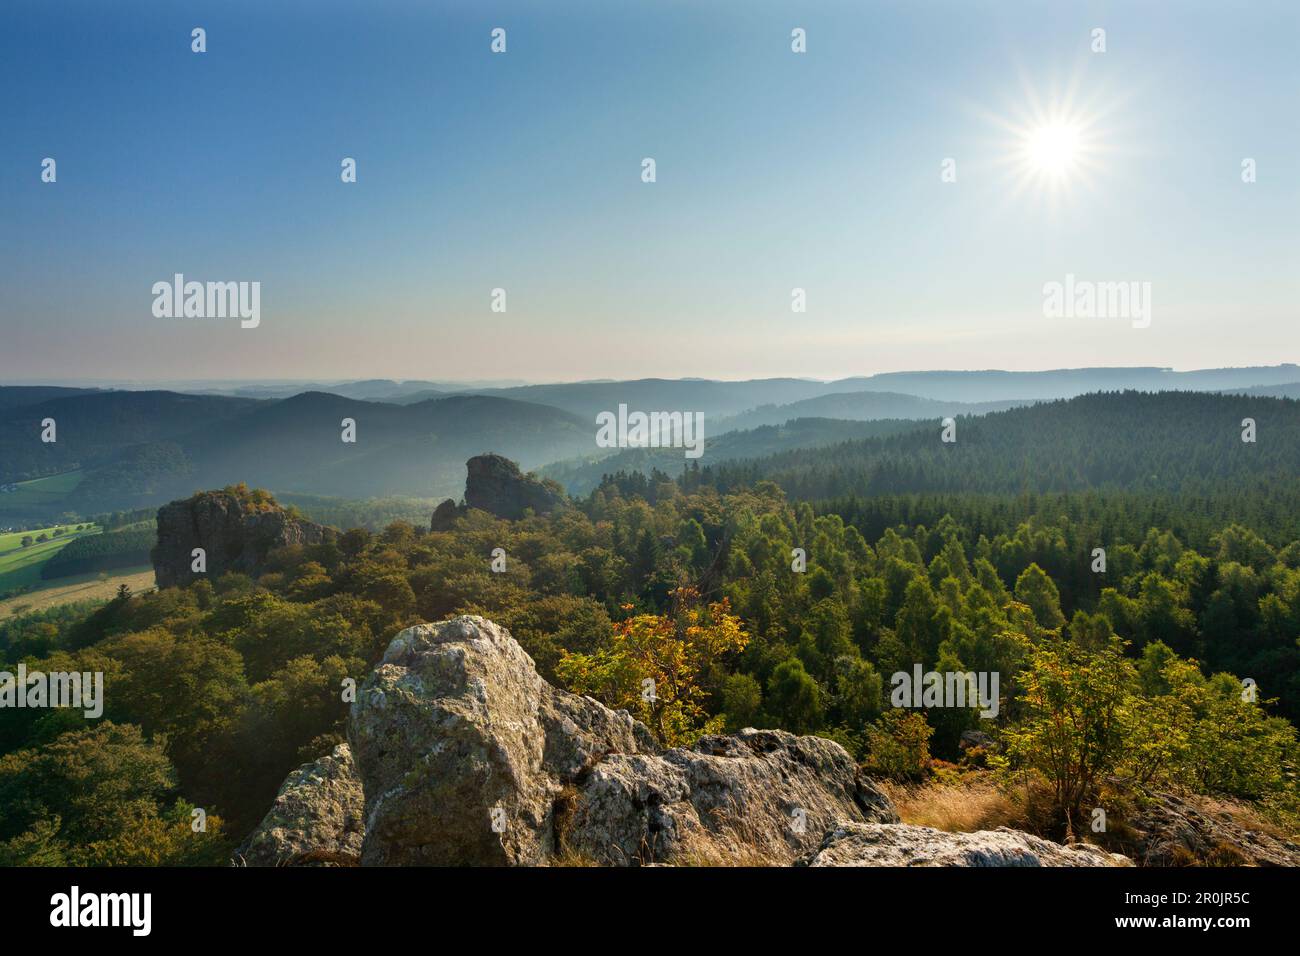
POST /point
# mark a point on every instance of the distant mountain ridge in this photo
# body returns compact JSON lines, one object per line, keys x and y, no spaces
{"x":724,"y":398}
{"x":997,"y":385}
{"x":125,"y":449}
{"x":859,"y":406}
{"x":656,"y":394}
{"x":719,"y":398}
{"x":132,"y":449}
{"x":16,"y":396}
{"x":295,"y":445}
{"x":1290,"y":390}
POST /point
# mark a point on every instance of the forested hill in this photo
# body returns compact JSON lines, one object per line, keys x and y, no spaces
{"x":418,"y":449}
{"x":580,"y":476}
{"x":858,"y":406}
{"x":125,"y":449}
{"x":15,"y":396}
{"x":94,"y":427}
{"x":1184,"y":442}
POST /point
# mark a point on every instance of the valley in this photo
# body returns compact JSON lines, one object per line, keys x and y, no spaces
{"x":971,"y":562}
{"x":122,"y":450}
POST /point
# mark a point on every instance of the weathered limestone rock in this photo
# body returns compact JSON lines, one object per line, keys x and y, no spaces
{"x":1174,"y":831}
{"x":760,"y":797}
{"x":899,"y":844}
{"x":464,"y":748}
{"x":444,"y":516}
{"x":469,"y":757}
{"x":316,"y":818}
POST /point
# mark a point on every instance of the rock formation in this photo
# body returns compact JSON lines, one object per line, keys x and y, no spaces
{"x":444,"y":516}
{"x":466,"y":756}
{"x":1167,"y":830}
{"x":316,"y":818}
{"x":496,"y":485}
{"x":761,"y":796}
{"x":464,"y":749}
{"x":469,"y":756}
{"x":901,"y":844}
{"x":235,"y":531}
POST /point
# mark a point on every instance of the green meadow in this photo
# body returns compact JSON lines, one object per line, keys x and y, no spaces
{"x":40,"y":492}
{"x":22,"y":566}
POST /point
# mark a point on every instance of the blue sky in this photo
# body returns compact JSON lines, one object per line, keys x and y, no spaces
{"x":775,"y":170}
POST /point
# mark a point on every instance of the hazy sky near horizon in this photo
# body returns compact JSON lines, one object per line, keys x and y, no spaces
{"x":522,"y":170}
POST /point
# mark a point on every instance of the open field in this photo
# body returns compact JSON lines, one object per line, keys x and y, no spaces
{"x":40,"y":492}
{"x":13,"y":540}
{"x":20,"y":566}
{"x":83,"y":587}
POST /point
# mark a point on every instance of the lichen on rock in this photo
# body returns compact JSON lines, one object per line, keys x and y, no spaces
{"x":316,"y":818}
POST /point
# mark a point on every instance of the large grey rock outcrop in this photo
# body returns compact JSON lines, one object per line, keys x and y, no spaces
{"x":235,"y":532}
{"x":761,"y":797}
{"x":464,"y":749}
{"x":317,"y":817}
{"x":856,"y":844}
{"x":469,"y":757}
{"x":464,"y":755}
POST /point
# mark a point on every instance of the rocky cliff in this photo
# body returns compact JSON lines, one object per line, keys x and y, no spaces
{"x":496,"y":485}
{"x":236,"y":530}
{"x":466,"y":756}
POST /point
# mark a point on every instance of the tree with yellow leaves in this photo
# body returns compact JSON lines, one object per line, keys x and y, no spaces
{"x":656,"y":664}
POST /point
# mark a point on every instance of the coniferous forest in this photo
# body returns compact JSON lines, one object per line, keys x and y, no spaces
{"x":748,"y":607}
{"x":665,"y":450}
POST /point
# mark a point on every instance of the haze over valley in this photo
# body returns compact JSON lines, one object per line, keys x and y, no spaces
{"x":123,"y":449}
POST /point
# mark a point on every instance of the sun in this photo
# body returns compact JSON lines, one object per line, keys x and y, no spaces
{"x":1054,"y":154}
{"x":1053,"y":149}
{"x":1056,"y":142}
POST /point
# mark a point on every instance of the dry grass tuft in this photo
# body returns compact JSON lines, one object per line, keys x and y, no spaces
{"x":731,"y":840}
{"x":957,"y":808}
{"x":571,"y":858}
{"x":1241,"y":813}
